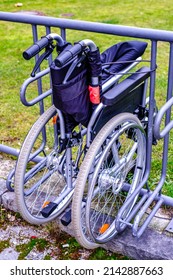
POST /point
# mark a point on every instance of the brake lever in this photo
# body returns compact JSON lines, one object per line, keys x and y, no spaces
{"x":49,"y":50}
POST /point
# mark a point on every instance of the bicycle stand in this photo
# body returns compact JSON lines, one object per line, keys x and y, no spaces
{"x":148,"y":197}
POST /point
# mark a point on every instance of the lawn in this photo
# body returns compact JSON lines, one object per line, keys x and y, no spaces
{"x":15,"y":119}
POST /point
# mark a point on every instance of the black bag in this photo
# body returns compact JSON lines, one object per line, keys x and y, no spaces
{"x":72,"y":97}
{"x":70,"y":92}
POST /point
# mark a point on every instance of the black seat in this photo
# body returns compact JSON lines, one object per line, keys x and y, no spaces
{"x":121,"y":90}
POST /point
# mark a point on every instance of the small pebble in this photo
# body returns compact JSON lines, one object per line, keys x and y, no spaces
{"x":65,"y":245}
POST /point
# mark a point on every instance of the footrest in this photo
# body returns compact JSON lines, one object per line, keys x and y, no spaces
{"x":48,"y":209}
{"x":66,"y":218}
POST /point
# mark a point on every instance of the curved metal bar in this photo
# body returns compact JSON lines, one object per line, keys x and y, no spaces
{"x":166,"y":109}
{"x":158,"y":133}
{"x":89,"y":43}
{"x":10,"y":181}
{"x":27,"y":83}
{"x":56,"y":37}
{"x":138,"y":230}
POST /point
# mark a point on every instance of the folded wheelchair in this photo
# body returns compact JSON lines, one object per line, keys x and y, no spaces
{"x":85,"y":156}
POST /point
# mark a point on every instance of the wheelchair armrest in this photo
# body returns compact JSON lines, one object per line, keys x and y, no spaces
{"x":122,"y":89}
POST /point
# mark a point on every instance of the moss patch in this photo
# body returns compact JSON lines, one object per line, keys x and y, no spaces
{"x":102,"y":254}
{"x":25,"y":249}
{"x":4,"y":244}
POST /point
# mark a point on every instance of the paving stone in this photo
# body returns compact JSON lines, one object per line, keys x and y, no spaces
{"x":2,"y":184}
{"x":6,"y":165}
{"x":9,"y":254}
{"x":36,"y":255}
{"x":3,"y":188}
{"x":8,"y":201}
{"x":152,"y":245}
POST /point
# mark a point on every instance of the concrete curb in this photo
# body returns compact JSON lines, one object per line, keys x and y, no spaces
{"x":154,"y":244}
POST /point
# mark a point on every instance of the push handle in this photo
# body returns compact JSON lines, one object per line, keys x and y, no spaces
{"x":69,"y":54}
{"x":36,"y":48}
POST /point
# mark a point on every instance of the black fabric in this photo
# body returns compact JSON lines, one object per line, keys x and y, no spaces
{"x":119,"y":53}
{"x":73,"y":98}
{"x":94,"y":63}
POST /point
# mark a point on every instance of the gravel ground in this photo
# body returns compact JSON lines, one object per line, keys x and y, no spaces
{"x":19,"y":240}
{"x":6,"y":165}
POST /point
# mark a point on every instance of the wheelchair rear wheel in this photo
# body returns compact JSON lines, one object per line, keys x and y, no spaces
{"x":112,"y":169}
{"x":43,"y":189}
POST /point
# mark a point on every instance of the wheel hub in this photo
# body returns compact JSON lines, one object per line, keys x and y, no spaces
{"x":52,"y":161}
{"x":107,"y":181}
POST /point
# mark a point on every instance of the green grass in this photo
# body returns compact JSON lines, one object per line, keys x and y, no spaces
{"x":15,"y":119}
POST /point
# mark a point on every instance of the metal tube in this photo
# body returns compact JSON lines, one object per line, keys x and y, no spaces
{"x":39,"y":81}
{"x":9,"y":150}
{"x":168,"y":112}
{"x":151,"y":106}
{"x":158,"y":133}
{"x":167,"y":200}
{"x":149,"y":139}
{"x":63,"y":33}
{"x":128,"y":31}
{"x":148,"y":220}
{"x":26,"y":84}
{"x":48,"y":31}
{"x":56,"y":37}
{"x":120,"y":225}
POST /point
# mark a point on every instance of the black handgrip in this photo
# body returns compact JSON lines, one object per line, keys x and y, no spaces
{"x":68,"y":55}
{"x":36,"y":48}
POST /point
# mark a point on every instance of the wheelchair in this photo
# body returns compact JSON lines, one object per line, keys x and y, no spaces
{"x":87,"y":152}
